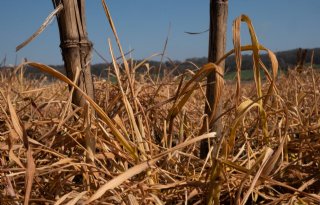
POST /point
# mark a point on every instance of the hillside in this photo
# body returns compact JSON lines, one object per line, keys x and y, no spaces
{"x":286,"y":60}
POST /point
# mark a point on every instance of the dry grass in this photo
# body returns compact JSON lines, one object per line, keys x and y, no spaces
{"x":141,"y":145}
{"x":56,"y":137}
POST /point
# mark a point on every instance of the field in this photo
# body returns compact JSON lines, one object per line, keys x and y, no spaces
{"x":47,"y":141}
{"x":138,"y":141}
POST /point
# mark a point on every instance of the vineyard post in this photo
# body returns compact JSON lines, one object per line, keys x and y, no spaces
{"x":217,"y":47}
{"x":75,"y":46}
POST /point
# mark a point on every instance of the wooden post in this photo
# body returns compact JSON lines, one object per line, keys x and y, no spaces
{"x":217,"y":47}
{"x":301,"y":58}
{"x":75,"y":46}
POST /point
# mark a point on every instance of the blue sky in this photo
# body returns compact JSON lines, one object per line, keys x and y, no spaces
{"x":143,"y":25}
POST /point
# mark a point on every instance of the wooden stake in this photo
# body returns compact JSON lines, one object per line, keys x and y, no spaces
{"x":217,"y":47}
{"x":75,"y":46}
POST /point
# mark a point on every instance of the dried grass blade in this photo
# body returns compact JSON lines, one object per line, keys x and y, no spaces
{"x":145,"y":60}
{"x":63,"y":198}
{"x":97,"y":108}
{"x":77,"y":198}
{"x":273,"y":161}
{"x":13,"y":157}
{"x":41,"y":29}
{"x":218,"y":91}
{"x":267,"y":156}
{"x":127,"y":105}
{"x":56,"y":164}
{"x":172,"y":115}
{"x":243,"y":48}
{"x":126,"y":66}
{"x":238,"y":56}
{"x":138,"y":137}
{"x":255,"y":50}
{"x":256,"y":70}
{"x":132,"y":200}
{"x":31,"y":169}
{"x":15,"y":119}
{"x":17,"y":130}
{"x":196,"y":33}
{"x":274,"y":64}
{"x":157,"y":200}
{"x":121,"y":178}
{"x":270,"y":180}
{"x":242,"y":109}
{"x":191,"y":85}
{"x":142,"y":167}
{"x":162,"y":54}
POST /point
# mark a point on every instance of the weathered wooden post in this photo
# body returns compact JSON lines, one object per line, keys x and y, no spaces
{"x":75,"y":46}
{"x":301,"y":58}
{"x":217,"y":47}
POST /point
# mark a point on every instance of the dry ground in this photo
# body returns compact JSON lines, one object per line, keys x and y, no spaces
{"x":46,"y":143}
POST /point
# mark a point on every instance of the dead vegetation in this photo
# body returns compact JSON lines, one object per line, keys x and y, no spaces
{"x":138,"y":143}
{"x":38,"y":126}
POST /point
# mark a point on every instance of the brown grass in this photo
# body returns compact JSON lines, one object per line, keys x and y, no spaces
{"x":56,"y":137}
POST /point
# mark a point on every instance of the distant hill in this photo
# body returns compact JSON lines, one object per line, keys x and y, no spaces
{"x":286,"y":60}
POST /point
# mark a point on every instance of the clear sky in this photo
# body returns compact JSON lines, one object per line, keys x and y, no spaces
{"x":143,"y":25}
